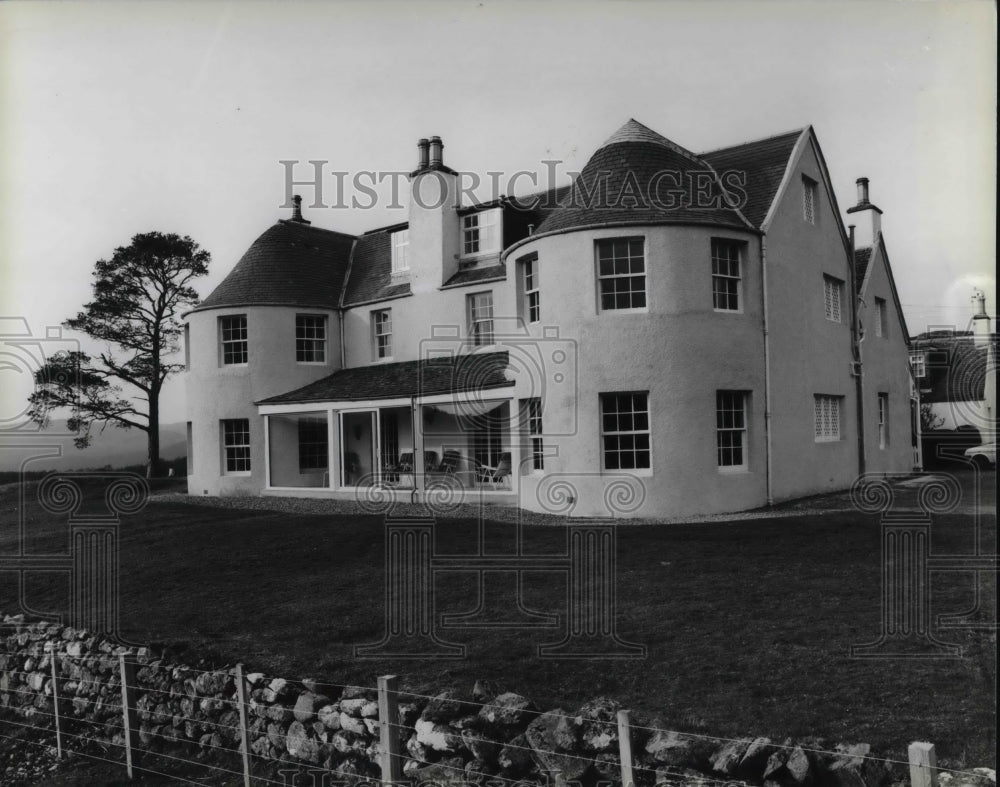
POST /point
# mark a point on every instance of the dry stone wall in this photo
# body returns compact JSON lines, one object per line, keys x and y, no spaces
{"x":450,"y":738}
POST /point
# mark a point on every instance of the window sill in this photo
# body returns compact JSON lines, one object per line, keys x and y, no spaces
{"x":740,"y":470}
{"x":827,"y":440}
{"x":646,"y":472}
{"x":311,"y":363}
{"x":641,"y":310}
{"x":727,"y":311}
{"x":387,"y":359}
{"x":237,"y":474}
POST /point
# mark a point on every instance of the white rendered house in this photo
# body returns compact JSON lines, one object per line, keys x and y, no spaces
{"x":673,"y":334}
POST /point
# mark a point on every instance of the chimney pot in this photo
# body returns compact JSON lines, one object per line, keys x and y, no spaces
{"x":862,"y":191}
{"x":422,"y":150}
{"x":297,"y":210}
{"x":435,"y":151}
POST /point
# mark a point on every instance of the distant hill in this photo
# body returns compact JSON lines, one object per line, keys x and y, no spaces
{"x":115,"y":447}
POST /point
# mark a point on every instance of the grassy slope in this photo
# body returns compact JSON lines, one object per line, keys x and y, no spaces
{"x":747,"y":624}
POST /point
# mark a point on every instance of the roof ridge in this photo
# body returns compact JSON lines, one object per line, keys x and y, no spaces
{"x":303,"y":225}
{"x":749,"y":142}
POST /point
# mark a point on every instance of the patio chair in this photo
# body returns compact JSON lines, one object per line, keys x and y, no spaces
{"x":450,"y":462}
{"x":495,"y":476}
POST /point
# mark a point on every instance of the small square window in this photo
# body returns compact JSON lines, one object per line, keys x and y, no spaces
{"x":531,"y":305}
{"x":881,"y":318}
{"x":621,"y":274}
{"x":310,"y":338}
{"x":808,"y":200}
{"x":832,"y":296}
{"x":233,"y":340}
{"x":236,"y":445}
{"x":481,"y":232}
{"x":401,"y":251}
{"x":480,"y":313}
{"x":826,"y":418}
{"x":883,"y":420}
{"x":731,"y":430}
{"x":727,"y":283}
{"x":531,"y":419}
{"x":625,"y":437}
{"x":381,"y":334}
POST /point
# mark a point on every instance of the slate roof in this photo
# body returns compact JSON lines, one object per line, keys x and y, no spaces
{"x":473,"y":275}
{"x":290,"y":264}
{"x":955,"y":368}
{"x":862,"y":258}
{"x":370,"y":278}
{"x":473,"y":372}
{"x":619,"y":185}
{"x":764,"y":161}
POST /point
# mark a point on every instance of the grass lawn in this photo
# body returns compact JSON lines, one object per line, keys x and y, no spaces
{"x":747,"y":623}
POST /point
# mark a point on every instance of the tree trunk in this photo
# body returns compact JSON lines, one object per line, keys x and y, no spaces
{"x":153,"y":435}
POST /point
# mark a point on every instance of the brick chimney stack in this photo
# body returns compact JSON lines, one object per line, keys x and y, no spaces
{"x":297,"y":210}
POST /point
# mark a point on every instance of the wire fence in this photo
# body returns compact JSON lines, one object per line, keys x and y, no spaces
{"x":131,"y":729}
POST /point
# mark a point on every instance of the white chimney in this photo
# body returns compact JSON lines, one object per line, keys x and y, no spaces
{"x":869,"y":221}
{"x":980,"y":320}
{"x":433,"y":219}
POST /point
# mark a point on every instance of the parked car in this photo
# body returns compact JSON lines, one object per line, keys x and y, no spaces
{"x":983,"y":455}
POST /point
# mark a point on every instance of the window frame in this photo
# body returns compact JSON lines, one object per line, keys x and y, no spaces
{"x":225,"y":344}
{"x":603,"y":398}
{"x":821,"y":433}
{"x":491,"y":229}
{"x":386,"y":319}
{"x":809,"y":200}
{"x":472,"y":321}
{"x":531,"y":299}
{"x":531,"y":419}
{"x":881,"y":319}
{"x":743,"y":431}
{"x":918,"y":363}
{"x":739,"y":246}
{"x":833,"y":308}
{"x":305,"y":343}
{"x":311,"y":455}
{"x":883,"y":420}
{"x":399,"y":242}
{"x":614,"y":276}
{"x":225,"y":433}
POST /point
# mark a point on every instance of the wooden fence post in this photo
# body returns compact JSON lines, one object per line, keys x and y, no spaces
{"x":625,"y":748}
{"x":55,"y":704}
{"x":241,"y":697}
{"x":129,"y":714}
{"x":390,"y":752}
{"x":923,"y":765}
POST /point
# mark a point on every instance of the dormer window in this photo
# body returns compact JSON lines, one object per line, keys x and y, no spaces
{"x":401,"y":251}
{"x":481,"y":233}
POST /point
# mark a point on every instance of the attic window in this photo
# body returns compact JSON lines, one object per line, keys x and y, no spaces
{"x":881,"y":321}
{"x":481,"y":233}
{"x":401,"y":251}
{"x":808,"y":200}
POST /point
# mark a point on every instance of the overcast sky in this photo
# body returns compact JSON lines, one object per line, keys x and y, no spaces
{"x":125,"y":118}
